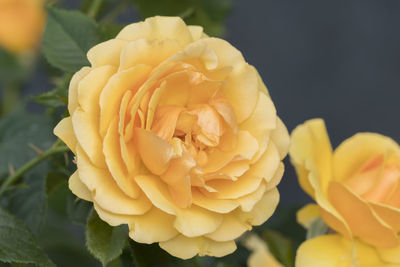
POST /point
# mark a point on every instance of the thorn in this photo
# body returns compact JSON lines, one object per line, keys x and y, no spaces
{"x":37,"y":150}
{"x":11,"y":169}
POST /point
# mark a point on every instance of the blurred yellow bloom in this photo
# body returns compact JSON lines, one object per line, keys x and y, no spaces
{"x":260,"y":256}
{"x":337,"y":251}
{"x":357,"y":187}
{"x":21,"y":24}
{"x":176,"y":136}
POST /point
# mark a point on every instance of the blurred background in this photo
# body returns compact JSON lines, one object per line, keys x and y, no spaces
{"x":337,"y":60}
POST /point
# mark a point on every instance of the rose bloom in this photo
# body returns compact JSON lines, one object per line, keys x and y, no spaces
{"x":176,"y":136}
{"x":356,"y":187}
{"x":260,"y":254}
{"x":21,"y":24}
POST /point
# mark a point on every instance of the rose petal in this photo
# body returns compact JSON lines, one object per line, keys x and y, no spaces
{"x":149,"y":52}
{"x":78,"y":188}
{"x":65,"y":131}
{"x":159,"y":28}
{"x":230,"y":229}
{"x":105,"y":191}
{"x":196,"y":31}
{"x":390,"y":215}
{"x":110,"y":98}
{"x":147,"y":228}
{"x":106,"y":53}
{"x":155,"y":152}
{"x":364,"y":223}
{"x":212,"y":204}
{"x":199,"y":245}
{"x":112,"y":153}
{"x":262,"y":210}
{"x":307,"y":214}
{"x":280,"y":137}
{"x":350,"y":155}
{"x":73,"y":88}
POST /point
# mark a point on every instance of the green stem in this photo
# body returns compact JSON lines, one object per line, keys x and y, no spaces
{"x":114,"y":13}
{"x":94,"y":8}
{"x":29,"y":165}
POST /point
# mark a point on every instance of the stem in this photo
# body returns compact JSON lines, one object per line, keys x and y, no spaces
{"x":114,"y":13}
{"x":94,"y":8}
{"x":29,"y":165}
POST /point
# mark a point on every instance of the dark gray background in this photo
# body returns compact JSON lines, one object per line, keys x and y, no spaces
{"x":338,"y":60}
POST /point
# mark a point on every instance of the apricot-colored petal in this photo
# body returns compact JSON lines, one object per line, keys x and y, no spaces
{"x":88,"y":137}
{"x":390,"y":215}
{"x":165,"y":120}
{"x":263,"y":119}
{"x":311,"y":153}
{"x":196,"y":31}
{"x":307,"y":214}
{"x":155,"y":152}
{"x":242,"y":92}
{"x":260,"y":255}
{"x":276,"y":179}
{"x":160,"y":28}
{"x":105,"y":191}
{"x":226,"y":111}
{"x":228,"y":56}
{"x":113,"y":219}
{"x":352,"y":153}
{"x":65,"y":131}
{"x":112,"y":153}
{"x":178,"y":179}
{"x":364,"y":223}
{"x":149,"y":52}
{"x":262,"y":210}
{"x":212,"y":204}
{"x":78,"y":188}
{"x":391,"y":255}
{"x":153,"y":226}
{"x":197,"y":246}
{"x":73,"y":88}
{"x":196,"y":221}
{"x":230,"y":229}
{"x":157,"y":192}
{"x":227,"y":189}
{"x":246,"y":148}
{"x":106,"y":53}
{"x":325,"y":251}
{"x":280,"y":137}
{"x":118,"y":84}
{"x":247,"y":202}
{"x":334,"y":220}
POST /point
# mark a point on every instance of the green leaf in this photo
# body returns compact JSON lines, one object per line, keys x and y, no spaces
{"x":29,"y":203}
{"x":317,"y":228}
{"x":10,"y":68}
{"x":280,"y":246}
{"x":67,"y":38}
{"x":17,"y":243}
{"x":78,"y":210}
{"x":106,"y":243}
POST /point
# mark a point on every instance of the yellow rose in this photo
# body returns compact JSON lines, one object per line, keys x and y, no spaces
{"x":176,"y":136}
{"x":357,"y":187}
{"x":21,"y":24}
{"x":337,"y":251}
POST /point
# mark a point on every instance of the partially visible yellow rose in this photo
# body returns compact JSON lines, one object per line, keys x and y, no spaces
{"x":21,"y":24}
{"x":260,"y":256}
{"x":176,"y":136}
{"x":357,"y":187}
{"x":337,"y":251}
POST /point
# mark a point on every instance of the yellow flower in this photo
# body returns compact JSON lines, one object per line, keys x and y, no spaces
{"x":357,"y":187}
{"x":176,"y":136}
{"x":260,"y":256}
{"x":337,"y":251}
{"x":21,"y":24}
